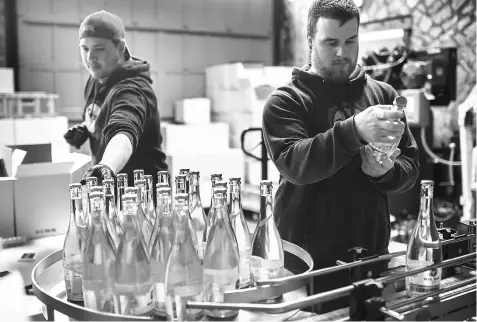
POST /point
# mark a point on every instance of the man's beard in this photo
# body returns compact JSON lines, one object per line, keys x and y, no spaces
{"x":339,"y":71}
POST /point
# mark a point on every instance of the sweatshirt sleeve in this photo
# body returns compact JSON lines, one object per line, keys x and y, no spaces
{"x":128,"y":115}
{"x":405,"y":172}
{"x":303,"y":159}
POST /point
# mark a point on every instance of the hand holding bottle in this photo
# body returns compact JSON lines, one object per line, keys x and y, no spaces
{"x":380,"y":124}
{"x":372,"y":167}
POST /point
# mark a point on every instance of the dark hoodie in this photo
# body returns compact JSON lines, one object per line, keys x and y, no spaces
{"x":324,"y":201}
{"x":126,"y":104}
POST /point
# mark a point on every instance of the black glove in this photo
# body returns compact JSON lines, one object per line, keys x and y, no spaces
{"x":77,"y":135}
{"x":100,"y":171}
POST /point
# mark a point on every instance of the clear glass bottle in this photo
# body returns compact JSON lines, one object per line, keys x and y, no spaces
{"x":221,"y":258}
{"x":122,"y":179}
{"x":160,"y":248}
{"x":197,"y":213}
{"x":385,"y":150}
{"x":181,"y":188}
{"x":138,"y":174}
{"x":90,"y":182}
{"x":184,"y":274}
{"x":132,"y":279}
{"x":163,"y":177}
{"x":267,"y":257}
{"x":73,"y":247}
{"x":186,"y":173}
{"x":242,"y":233}
{"x":111,"y":214}
{"x":213,"y":179}
{"x":99,"y":261}
{"x":150,"y":207}
{"x":143,"y":222}
{"x":424,"y":247}
{"x":211,"y":216}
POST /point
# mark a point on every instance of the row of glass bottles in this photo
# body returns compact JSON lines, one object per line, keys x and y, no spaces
{"x":132,"y":295}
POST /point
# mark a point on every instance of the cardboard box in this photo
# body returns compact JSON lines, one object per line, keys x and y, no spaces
{"x":230,"y":163}
{"x":7,"y":84}
{"x":42,"y":194}
{"x":247,"y":99}
{"x":239,"y":122}
{"x":194,"y":138}
{"x":192,"y":111}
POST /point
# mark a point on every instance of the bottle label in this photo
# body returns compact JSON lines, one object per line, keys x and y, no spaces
{"x":424,"y":282}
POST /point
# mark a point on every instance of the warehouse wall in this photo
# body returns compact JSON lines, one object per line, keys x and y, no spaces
{"x":180,"y":38}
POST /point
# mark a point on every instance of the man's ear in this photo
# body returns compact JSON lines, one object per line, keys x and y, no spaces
{"x":122,"y":47}
{"x":310,"y":42}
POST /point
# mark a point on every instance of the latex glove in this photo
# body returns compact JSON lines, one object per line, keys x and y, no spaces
{"x":100,"y":171}
{"x":373,"y":168}
{"x":77,"y":135}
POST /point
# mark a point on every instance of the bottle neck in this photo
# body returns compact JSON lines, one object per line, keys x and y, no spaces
{"x":235,"y":202}
{"x":266,"y":206}
{"x":426,"y":208}
{"x":181,"y":225}
{"x":76,"y":207}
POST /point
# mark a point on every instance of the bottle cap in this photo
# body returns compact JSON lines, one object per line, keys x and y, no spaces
{"x":266,"y":182}
{"x":129,"y":196}
{"x":400,"y":101}
{"x":96,"y":194}
{"x":235,"y":180}
{"x":75,"y":185}
{"x":122,"y":175}
{"x":427,"y":182}
{"x":138,"y":171}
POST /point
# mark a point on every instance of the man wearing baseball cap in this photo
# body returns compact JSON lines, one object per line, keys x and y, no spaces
{"x":121,"y":118}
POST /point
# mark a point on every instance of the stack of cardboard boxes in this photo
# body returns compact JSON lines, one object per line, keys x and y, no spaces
{"x":193,"y":142}
{"x":34,"y":197}
{"x":238,"y":93}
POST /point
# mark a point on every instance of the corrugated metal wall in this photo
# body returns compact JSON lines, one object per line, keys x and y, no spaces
{"x":180,"y":38}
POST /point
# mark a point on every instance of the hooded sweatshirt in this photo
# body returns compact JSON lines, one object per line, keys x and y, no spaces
{"x":126,"y":104}
{"x":325,"y":202}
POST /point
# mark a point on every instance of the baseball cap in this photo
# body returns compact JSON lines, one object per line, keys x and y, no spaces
{"x":103,"y":24}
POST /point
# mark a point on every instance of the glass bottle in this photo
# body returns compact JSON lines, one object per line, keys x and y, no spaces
{"x":211,"y":216}
{"x":213,"y":179}
{"x":122,"y":179}
{"x":221,"y":258}
{"x":181,"y":188}
{"x":385,"y":150}
{"x":143,"y":222}
{"x":90,"y":182}
{"x":111,"y":215}
{"x":242,"y":233}
{"x":99,"y":261}
{"x":163,"y":177}
{"x":424,"y":247}
{"x":138,"y":174}
{"x":184,"y":274}
{"x":73,"y":247}
{"x":150,"y":207}
{"x":132,"y":279}
{"x":186,"y":173}
{"x":160,"y":247}
{"x":197,"y":214}
{"x":267,"y":257}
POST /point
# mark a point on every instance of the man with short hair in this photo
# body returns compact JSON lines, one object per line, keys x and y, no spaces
{"x":121,"y":118}
{"x":332,"y":195}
